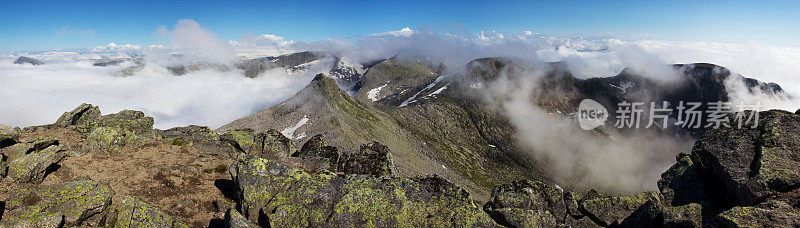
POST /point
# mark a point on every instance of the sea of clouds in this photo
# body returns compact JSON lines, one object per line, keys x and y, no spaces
{"x":35,"y":95}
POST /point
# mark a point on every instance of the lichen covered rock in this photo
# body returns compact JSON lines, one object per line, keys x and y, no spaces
{"x":233,"y":219}
{"x":134,"y":212}
{"x":81,"y":118}
{"x":689,"y":215}
{"x":105,"y":140}
{"x":768,"y":214}
{"x":515,"y":217}
{"x":681,"y":184}
{"x":613,"y":210}
{"x":78,"y":202}
{"x":527,"y":197}
{"x":112,"y":139}
{"x":8,"y":136}
{"x":372,"y":159}
{"x":130,"y":120}
{"x":269,"y":145}
{"x":32,"y":167}
{"x":751,"y":164}
{"x":201,"y":137}
{"x":290,"y":197}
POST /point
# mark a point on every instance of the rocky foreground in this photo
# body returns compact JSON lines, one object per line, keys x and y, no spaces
{"x":115,"y":170}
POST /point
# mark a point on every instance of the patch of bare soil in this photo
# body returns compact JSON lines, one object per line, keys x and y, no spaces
{"x":180,"y":180}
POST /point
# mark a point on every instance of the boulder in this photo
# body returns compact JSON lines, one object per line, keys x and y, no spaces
{"x":106,"y":140}
{"x":613,"y":210}
{"x":112,"y":132}
{"x":689,"y":215}
{"x":526,"y":197}
{"x":27,"y":60}
{"x":271,"y":144}
{"x":81,"y":117}
{"x":371,"y":159}
{"x":681,"y":184}
{"x":749,"y":164}
{"x":316,"y":156}
{"x":32,"y":167}
{"x":201,"y":137}
{"x":286,"y":196}
{"x":8,"y":136}
{"x":78,"y":203}
{"x":768,"y":214}
{"x":316,"y":147}
{"x":581,"y":222}
{"x":129,"y":120}
{"x":134,"y":212}
{"x":516,"y":217}
{"x":29,"y":145}
{"x":235,"y":220}
{"x":571,"y":202}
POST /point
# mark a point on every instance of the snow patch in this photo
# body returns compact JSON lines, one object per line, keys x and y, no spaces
{"x":289,"y":131}
{"x":438,"y":91}
{"x":373,"y":93}
{"x":624,"y":86}
{"x":412,"y":98}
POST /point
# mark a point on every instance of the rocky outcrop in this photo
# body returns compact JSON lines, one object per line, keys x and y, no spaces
{"x":524,"y":203}
{"x":767,"y":214}
{"x":134,"y":212}
{"x":233,"y":219}
{"x":371,"y":159}
{"x":74,"y":203}
{"x":27,"y":60}
{"x":31,"y":160}
{"x":750,"y":164}
{"x":83,"y":115}
{"x":681,"y":184}
{"x":110,"y":133}
{"x":8,"y":136}
{"x":271,"y":144}
{"x":285,"y":196}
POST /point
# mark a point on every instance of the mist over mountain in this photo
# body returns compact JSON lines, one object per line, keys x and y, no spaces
{"x":448,"y":120}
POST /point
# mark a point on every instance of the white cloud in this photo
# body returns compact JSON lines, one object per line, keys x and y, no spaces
{"x":190,"y":38}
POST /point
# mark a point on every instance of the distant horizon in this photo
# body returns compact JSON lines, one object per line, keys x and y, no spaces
{"x":37,"y":26}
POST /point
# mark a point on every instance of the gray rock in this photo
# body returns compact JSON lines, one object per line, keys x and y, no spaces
{"x":681,"y":184}
{"x":81,"y":116}
{"x":750,"y":164}
{"x":8,"y":136}
{"x":516,"y":217}
{"x":270,"y":145}
{"x":613,"y":210}
{"x":134,"y":212}
{"x":689,"y":215}
{"x":235,"y":220}
{"x":291,"y":197}
{"x":769,"y":214}
{"x":371,"y":159}
{"x":77,"y":203}
{"x":32,"y":167}
{"x":526,"y":196}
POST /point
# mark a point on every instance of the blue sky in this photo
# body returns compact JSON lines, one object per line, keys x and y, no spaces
{"x":35,"y":25}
